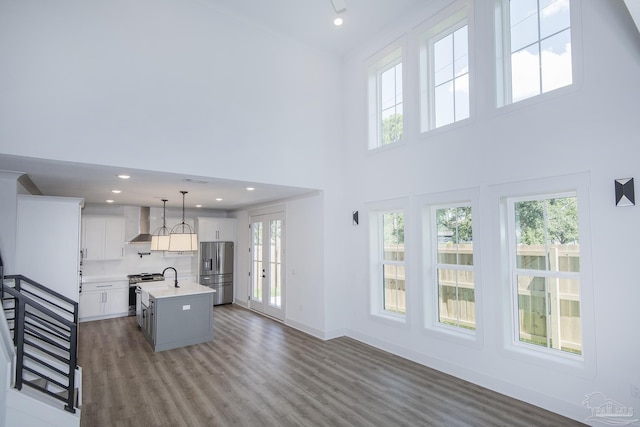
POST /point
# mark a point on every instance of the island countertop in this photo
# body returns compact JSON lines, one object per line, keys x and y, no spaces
{"x":167,"y":288}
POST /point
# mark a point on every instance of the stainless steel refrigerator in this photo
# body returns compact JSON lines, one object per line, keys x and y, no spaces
{"x":216,"y":270}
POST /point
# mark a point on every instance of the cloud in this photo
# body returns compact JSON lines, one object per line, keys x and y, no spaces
{"x":555,"y":7}
{"x":525,"y":70}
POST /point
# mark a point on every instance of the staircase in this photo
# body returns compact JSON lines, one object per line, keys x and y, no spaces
{"x":40,"y":329}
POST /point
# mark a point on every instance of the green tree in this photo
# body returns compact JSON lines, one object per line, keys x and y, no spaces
{"x":562,"y":217}
{"x":561,"y":221}
{"x":393,"y":228}
{"x":455,"y":224}
{"x":392,"y":129}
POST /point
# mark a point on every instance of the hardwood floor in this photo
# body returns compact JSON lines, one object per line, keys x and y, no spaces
{"x":258,"y":372}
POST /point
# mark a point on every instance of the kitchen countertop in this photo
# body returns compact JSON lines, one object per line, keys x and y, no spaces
{"x":167,"y":289}
{"x":104,"y":279}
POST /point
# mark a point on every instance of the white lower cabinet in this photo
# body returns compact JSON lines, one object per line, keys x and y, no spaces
{"x":102,"y":300}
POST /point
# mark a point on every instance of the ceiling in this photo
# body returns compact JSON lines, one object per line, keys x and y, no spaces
{"x":95,"y":184}
{"x":308,"y":21}
{"x":311,"y":21}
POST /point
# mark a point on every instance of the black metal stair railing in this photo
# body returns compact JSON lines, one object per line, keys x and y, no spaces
{"x":44,"y":325}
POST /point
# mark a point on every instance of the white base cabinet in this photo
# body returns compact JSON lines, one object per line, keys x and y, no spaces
{"x":103,"y":300}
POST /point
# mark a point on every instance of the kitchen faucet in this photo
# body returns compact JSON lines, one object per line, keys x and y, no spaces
{"x":175,"y":272}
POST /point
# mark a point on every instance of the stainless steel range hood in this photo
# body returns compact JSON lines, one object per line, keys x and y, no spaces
{"x":144,"y":235}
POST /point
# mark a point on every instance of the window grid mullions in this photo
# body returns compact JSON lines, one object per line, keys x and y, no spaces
{"x":549,"y":274}
{"x":450,"y":31}
{"x":381,"y":110}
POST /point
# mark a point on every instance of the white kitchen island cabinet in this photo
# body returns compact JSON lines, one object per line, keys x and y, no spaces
{"x":176,"y":317}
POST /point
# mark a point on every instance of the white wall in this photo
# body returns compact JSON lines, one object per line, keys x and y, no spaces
{"x":8,"y":211}
{"x":48,"y":240}
{"x":591,"y":130}
{"x":304,"y":261}
{"x":142,"y":77}
{"x":6,"y":365}
{"x":178,"y":83}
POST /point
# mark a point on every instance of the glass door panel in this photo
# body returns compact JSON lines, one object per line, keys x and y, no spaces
{"x":256,"y":257}
{"x":275,"y":283}
{"x":267,"y":251}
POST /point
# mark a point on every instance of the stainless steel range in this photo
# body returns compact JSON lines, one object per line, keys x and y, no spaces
{"x":134,"y":281}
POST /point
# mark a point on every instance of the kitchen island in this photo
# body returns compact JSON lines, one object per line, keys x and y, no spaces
{"x":173,"y":317}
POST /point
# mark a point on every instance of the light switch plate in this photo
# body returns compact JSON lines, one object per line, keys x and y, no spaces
{"x":186,"y":307}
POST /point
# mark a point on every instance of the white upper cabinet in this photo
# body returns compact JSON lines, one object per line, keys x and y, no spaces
{"x":103,"y":238}
{"x":216,"y":229}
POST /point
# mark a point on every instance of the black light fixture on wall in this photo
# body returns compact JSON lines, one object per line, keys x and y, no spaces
{"x":625,"y":193}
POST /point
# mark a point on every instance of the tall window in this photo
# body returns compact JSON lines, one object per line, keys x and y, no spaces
{"x":391,"y":262}
{"x":385,"y":101}
{"x":450,"y":76}
{"x":536,"y":45}
{"x":545,"y":267}
{"x":454,"y":266}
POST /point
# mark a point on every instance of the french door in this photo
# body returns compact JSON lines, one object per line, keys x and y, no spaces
{"x":267,"y":269}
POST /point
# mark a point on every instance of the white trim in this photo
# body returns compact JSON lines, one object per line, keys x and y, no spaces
{"x":376,"y":299}
{"x":444,"y":23}
{"x":387,"y":58}
{"x":503,"y":58}
{"x":430,"y":323}
{"x":584,"y":366}
{"x":516,"y":272}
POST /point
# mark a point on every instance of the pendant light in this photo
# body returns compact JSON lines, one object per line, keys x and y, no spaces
{"x":160,"y":237}
{"x":183,"y":237}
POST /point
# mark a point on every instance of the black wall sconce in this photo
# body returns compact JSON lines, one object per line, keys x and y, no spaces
{"x":354,"y":217}
{"x":625,"y":194}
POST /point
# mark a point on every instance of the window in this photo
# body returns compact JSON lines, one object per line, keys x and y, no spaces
{"x":536,"y":48}
{"x":393,"y":283}
{"x":545,"y":271}
{"x":385,"y":101}
{"x":454,"y":266}
{"x":444,"y":68}
{"x":450,"y":77}
{"x":388,"y":263}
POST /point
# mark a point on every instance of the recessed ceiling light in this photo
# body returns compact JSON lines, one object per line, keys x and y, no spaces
{"x":250,"y":188}
{"x":109,"y":201}
{"x":218,"y":199}
{"x":123,"y":176}
{"x":116,"y":191}
{"x":338,"y":21}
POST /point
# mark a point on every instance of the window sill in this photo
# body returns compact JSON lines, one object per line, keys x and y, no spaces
{"x":391,"y":318}
{"x":557,"y":360}
{"x":453,"y":334}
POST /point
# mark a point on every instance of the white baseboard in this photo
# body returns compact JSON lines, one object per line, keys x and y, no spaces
{"x":304,"y":328}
